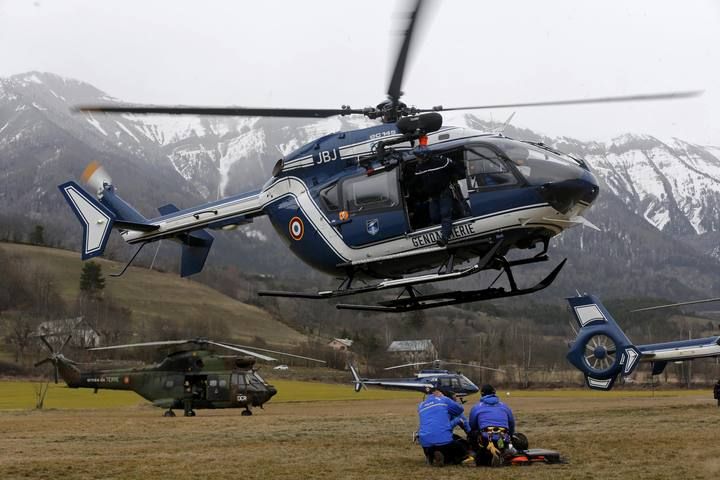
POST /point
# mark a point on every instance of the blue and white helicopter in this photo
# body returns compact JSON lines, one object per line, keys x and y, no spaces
{"x":603,"y":352}
{"x":345,"y":204}
{"x":449,"y":382}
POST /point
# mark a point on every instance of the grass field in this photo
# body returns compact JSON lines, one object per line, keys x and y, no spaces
{"x":159,"y":295}
{"x":311,"y":430}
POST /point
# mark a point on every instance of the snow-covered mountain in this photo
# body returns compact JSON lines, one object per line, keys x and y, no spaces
{"x":659,"y":206}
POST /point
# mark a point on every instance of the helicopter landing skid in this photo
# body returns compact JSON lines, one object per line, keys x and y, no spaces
{"x":410,"y":299}
{"x":406,"y":282}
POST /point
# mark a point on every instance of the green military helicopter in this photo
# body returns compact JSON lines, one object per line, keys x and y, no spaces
{"x":190,"y":378}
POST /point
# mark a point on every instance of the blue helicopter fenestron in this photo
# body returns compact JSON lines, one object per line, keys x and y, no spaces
{"x":346,"y":205}
{"x":603,"y":353}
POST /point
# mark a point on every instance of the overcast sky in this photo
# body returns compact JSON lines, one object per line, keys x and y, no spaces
{"x":325,"y":53}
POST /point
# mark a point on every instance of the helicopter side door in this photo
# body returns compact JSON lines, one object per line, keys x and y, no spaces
{"x":376,"y":209}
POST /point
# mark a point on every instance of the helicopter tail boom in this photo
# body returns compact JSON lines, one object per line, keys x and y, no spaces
{"x":100,"y":213}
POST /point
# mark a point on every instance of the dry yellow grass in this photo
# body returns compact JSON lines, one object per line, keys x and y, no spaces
{"x":668,"y":436}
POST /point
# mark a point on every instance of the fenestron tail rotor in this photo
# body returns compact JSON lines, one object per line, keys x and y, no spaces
{"x":600,"y":353}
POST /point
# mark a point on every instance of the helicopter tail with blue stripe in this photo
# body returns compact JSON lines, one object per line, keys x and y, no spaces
{"x":603,"y":352}
{"x":100,"y":213}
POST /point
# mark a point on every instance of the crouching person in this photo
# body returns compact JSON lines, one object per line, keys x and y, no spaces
{"x":491,"y":426}
{"x":439,"y":415}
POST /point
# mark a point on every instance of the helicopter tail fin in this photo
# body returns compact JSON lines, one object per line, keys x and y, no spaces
{"x":356,"y":378}
{"x":99,"y":214}
{"x":601,"y":350}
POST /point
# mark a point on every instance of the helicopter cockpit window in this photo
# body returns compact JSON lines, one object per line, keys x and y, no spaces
{"x":539,"y":165}
{"x":370,"y":193}
{"x":330,"y":199}
{"x":485,"y":168}
{"x":169,"y":384}
{"x":445,"y":382}
{"x":465,"y":382}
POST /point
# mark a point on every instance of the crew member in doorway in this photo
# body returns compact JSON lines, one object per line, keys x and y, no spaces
{"x":439,"y":415}
{"x":436,"y":174}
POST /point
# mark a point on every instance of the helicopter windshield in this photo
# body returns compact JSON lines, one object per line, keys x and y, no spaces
{"x":539,"y":165}
{"x":257,"y":378}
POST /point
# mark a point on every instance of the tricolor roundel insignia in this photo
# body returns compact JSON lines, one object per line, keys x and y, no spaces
{"x":297,"y":229}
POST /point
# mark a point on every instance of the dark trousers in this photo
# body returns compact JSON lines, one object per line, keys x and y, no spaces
{"x":441,"y":207}
{"x":453,"y":452}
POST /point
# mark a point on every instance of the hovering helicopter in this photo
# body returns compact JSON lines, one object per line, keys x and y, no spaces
{"x":603,"y":352}
{"x":345,"y":205}
{"x":189,"y":378}
{"x":447,"y":381}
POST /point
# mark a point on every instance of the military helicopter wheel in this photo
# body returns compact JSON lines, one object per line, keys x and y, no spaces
{"x":246,"y":413}
{"x":191,"y":413}
{"x":169,"y":413}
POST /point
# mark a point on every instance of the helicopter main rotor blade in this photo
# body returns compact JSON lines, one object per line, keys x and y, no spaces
{"x":627,"y":98}
{"x":394,"y":89}
{"x":221,"y":111}
{"x":670,"y":305}
{"x":408,"y":365}
{"x":144,"y":344}
{"x":277,"y":352}
{"x":474,"y":366}
{"x":242,"y":350}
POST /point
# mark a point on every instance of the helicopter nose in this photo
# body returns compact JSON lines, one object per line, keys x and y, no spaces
{"x":565,"y":194}
{"x":271,"y":391}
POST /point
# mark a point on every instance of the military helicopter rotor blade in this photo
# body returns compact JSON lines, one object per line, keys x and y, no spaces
{"x":408,"y":365}
{"x":581,"y":101}
{"x":394,"y":88}
{"x":222,"y":111}
{"x":277,"y":352}
{"x":42,"y":362}
{"x":670,"y":305}
{"x":242,"y":350}
{"x":144,"y":344}
{"x":474,"y":366}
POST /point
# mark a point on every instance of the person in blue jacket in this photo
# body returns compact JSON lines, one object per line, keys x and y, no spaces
{"x":491,"y":428}
{"x":439,"y":415}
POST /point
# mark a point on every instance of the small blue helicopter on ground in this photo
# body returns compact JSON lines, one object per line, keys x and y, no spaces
{"x":346,"y":205}
{"x":449,"y":382}
{"x":603,"y":352}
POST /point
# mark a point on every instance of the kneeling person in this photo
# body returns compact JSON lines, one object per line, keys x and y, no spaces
{"x":492,"y":426}
{"x":439,"y":415}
